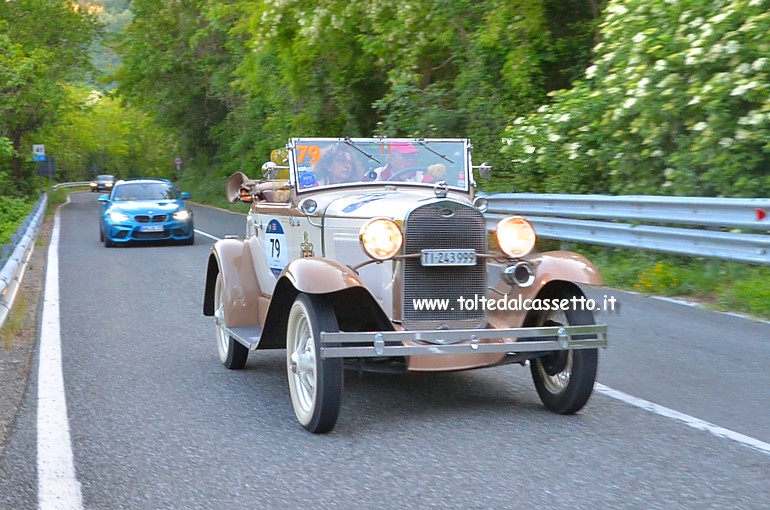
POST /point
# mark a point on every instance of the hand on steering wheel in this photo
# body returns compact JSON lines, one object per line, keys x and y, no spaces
{"x":406,"y":171}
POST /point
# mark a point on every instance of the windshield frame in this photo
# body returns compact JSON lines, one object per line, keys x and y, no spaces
{"x":373,"y":153}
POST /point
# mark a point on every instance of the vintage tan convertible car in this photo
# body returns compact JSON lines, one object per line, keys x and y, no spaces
{"x":373,"y":253}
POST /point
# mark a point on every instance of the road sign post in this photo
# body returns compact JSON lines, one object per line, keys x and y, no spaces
{"x":38,"y":152}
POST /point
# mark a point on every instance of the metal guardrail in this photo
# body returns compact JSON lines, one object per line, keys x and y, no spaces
{"x":717,"y":226}
{"x":12,"y":271}
{"x":70,"y":185}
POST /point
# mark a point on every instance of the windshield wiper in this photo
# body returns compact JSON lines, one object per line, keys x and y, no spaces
{"x":422,"y":142}
{"x":350,"y":143}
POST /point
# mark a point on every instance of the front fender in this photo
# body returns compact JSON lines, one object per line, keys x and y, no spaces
{"x":316,"y":275}
{"x":355,"y":307}
{"x":232,"y":259}
{"x":551,"y":268}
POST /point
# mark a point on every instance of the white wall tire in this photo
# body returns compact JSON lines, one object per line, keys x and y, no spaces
{"x":315,"y":384}
{"x":232,"y":354}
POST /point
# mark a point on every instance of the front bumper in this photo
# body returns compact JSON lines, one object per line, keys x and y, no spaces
{"x":171,"y":230}
{"x":462,"y":341}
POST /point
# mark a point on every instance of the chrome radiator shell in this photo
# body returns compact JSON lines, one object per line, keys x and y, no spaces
{"x":443,"y":224}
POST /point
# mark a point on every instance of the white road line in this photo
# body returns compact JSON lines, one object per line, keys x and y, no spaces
{"x":57,"y":484}
{"x":690,"y":421}
{"x":201,"y":232}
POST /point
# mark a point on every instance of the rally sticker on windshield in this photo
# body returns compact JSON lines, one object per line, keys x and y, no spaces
{"x":275,"y":247}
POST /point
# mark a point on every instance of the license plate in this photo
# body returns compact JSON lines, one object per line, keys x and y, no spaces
{"x":448,"y":257}
{"x":151,"y":228}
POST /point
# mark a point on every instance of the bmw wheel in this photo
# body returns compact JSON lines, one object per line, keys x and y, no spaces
{"x":232,"y":354}
{"x":564,"y":380}
{"x":315,"y":384}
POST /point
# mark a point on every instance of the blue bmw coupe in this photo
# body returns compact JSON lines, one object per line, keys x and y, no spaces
{"x":145,"y":210}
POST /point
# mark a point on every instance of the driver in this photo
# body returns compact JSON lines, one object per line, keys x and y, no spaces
{"x":402,"y":155}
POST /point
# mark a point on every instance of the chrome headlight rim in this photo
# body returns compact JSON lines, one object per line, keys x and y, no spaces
{"x":367,"y":233}
{"x":524,"y":237}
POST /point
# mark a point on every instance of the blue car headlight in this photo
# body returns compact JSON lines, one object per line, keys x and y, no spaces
{"x":118,"y":217}
{"x":184,"y":214}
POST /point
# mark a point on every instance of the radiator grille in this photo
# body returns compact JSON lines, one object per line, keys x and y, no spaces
{"x":443,"y":225}
{"x":143,"y":218}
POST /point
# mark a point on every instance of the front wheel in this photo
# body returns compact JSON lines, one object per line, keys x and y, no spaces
{"x":564,"y":380}
{"x":232,"y":354}
{"x":315,"y":384}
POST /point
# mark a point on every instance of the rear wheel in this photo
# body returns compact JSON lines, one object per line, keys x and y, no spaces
{"x":232,"y":354}
{"x":565,"y":379}
{"x":315,"y":384}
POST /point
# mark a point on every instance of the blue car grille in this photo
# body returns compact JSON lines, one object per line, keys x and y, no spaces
{"x":144,"y":218}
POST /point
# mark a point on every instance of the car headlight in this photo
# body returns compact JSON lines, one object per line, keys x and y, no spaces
{"x":108,"y":184}
{"x":184,"y":214}
{"x":515,"y":236}
{"x":118,"y":217}
{"x":93,"y":184}
{"x":380,"y":238}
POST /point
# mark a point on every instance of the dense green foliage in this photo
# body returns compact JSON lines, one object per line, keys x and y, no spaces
{"x":677,"y":101}
{"x":13,"y":211}
{"x":236,"y":79}
{"x":43,"y":45}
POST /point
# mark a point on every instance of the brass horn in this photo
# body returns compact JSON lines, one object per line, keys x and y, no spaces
{"x":236,"y":190}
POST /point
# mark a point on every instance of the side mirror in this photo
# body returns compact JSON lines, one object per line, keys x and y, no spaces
{"x":272,"y":171}
{"x":485,"y":170}
{"x":104,"y":198}
{"x":185,"y":195}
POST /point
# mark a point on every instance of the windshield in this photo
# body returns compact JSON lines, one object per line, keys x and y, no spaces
{"x":326,"y":162}
{"x":145,"y":191}
{"x":105,"y":178}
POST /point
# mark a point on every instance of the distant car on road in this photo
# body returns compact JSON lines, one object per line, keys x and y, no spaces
{"x":103,"y":183}
{"x":145,"y":210}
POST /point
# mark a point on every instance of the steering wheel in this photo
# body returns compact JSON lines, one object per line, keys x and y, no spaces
{"x":407,"y":171}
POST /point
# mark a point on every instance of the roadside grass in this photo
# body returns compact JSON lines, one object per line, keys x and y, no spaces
{"x":716,"y":284}
{"x":204,"y":191}
{"x":14,"y":322}
{"x":59,"y":196}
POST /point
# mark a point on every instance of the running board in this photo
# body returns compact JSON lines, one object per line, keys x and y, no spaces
{"x":248,"y":336}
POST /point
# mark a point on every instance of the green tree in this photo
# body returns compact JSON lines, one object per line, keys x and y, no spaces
{"x":102,"y":136}
{"x":171,"y":58}
{"x":677,"y":101}
{"x":37,"y":59}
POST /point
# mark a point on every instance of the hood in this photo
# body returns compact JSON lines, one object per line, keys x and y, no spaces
{"x":146,"y":206}
{"x":369,"y":203}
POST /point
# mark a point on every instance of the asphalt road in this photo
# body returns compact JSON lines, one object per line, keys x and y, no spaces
{"x":157,"y":422}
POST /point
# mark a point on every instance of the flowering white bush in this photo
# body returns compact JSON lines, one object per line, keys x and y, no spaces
{"x":677,"y":101}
